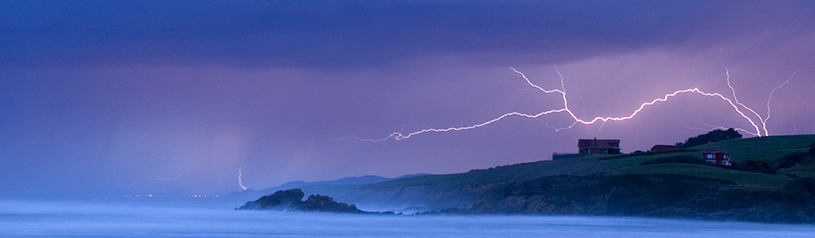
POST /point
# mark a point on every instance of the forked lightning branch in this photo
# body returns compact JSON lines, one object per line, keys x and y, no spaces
{"x":757,"y":122}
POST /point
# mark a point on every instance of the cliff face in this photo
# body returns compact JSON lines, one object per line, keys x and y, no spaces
{"x":293,"y":200}
{"x":652,"y":195}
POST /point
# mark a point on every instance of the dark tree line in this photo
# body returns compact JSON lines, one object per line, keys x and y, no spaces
{"x":710,"y":137}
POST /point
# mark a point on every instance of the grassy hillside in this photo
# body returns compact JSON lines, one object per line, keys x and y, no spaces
{"x":806,"y":170}
{"x":707,"y":171}
{"x":434,"y":192}
{"x":756,"y":149}
{"x":637,"y":159}
{"x":762,"y":148}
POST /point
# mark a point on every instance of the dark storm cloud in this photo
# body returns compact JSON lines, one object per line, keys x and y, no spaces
{"x":331,"y":33}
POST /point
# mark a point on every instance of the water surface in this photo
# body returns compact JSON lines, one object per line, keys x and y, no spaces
{"x":72,"y":219}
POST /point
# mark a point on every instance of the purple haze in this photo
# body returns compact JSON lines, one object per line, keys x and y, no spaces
{"x":100,"y":97}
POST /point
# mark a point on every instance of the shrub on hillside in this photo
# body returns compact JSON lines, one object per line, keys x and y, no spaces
{"x":711,"y":137}
{"x":772,"y":166}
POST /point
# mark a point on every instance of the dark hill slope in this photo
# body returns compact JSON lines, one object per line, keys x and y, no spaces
{"x":436,"y":192}
{"x":665,"y":184}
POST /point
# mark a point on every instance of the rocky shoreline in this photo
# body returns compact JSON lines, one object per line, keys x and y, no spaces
{"x":660,"y":196}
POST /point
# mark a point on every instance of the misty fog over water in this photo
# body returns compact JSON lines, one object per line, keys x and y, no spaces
{"x":73,"y":219}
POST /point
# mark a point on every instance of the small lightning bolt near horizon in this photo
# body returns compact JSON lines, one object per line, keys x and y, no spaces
{"x":734,"y":103}
{"x":240,"y":174}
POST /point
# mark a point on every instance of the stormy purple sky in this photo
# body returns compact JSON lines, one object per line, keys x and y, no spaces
{"x":106,"y":97}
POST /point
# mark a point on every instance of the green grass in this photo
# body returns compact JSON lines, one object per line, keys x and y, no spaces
{"x":756,"y":148}
{"x":762,"y":148}
{"x":742,"y":178}
{"x":806,"y":170}
{"x":645,"y":157}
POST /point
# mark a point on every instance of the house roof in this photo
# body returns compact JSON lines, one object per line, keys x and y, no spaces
{"x":601,"y":143}
{"x":714,"y":150}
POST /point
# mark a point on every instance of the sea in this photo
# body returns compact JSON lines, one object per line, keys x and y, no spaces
{"x":89,"y":219}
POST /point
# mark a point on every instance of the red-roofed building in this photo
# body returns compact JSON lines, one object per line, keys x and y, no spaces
{"x":716,"y":156}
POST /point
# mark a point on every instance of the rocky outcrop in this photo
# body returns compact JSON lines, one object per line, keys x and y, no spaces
{"x":281,"y":200}
{"x":293,"y":200}
{"x":321,"y":203}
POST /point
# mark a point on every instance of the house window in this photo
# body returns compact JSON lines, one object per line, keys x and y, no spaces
{"x":710,"y":156}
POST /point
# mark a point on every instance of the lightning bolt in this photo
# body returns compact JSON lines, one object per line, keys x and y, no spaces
{"x":725,"y":128}
{"x":240,"y":174}
{"x":692,"y":127}
{"x":733,"y":103}
{"x":764,"y":122}
{"x":727,"y":72}
{"x":794,"y":123}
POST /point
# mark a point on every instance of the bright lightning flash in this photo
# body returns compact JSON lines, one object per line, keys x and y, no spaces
{"x":733,"y":103}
